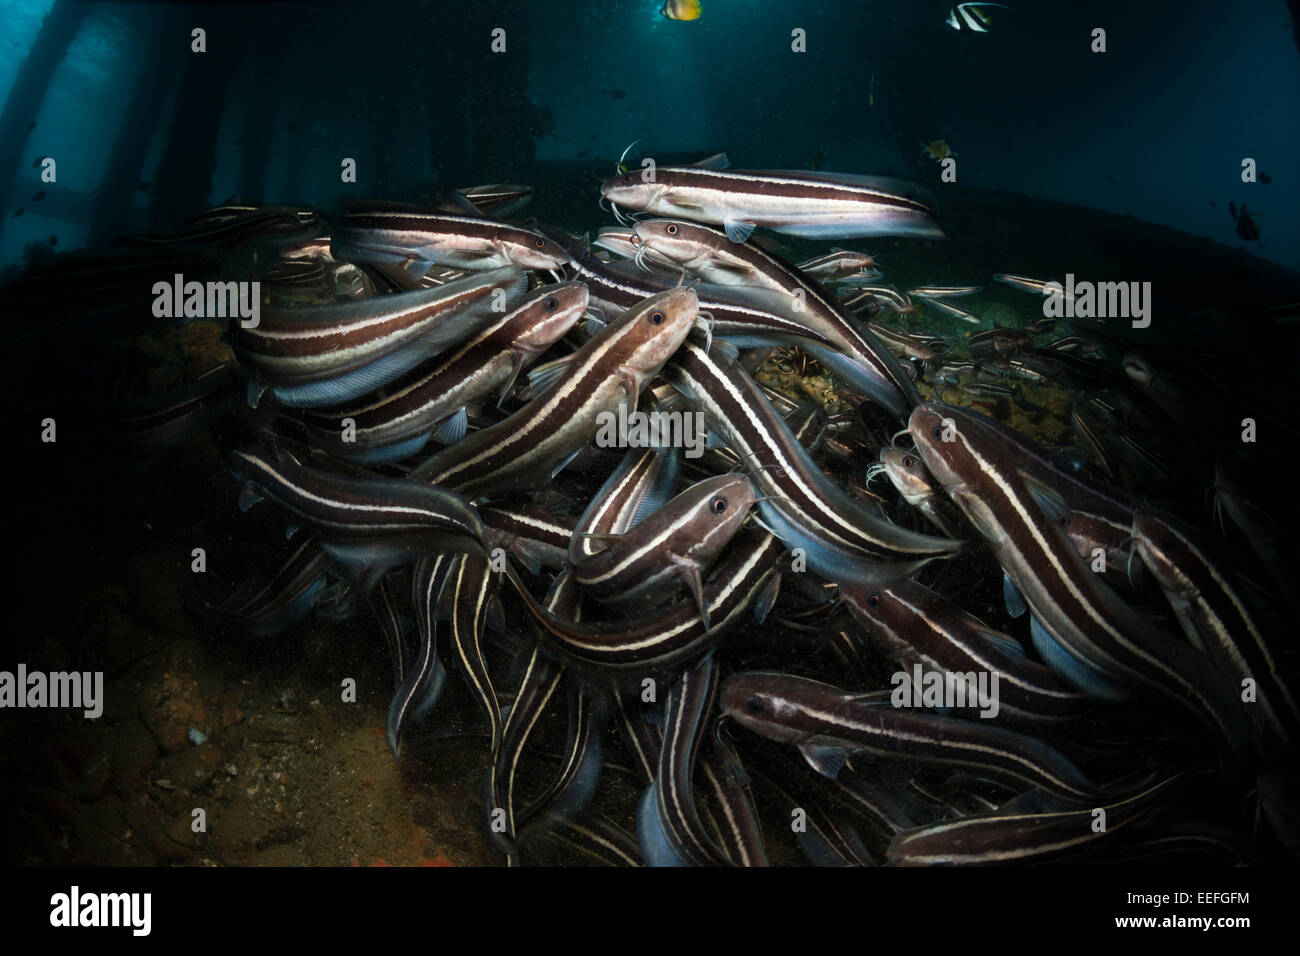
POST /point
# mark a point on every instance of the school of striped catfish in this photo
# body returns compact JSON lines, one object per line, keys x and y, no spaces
{"x":884,"y":629}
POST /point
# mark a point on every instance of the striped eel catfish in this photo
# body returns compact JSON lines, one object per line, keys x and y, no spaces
{"x":749,"y":317}
{"x":671,"y":547}
{"x":746,"y":579}
{"x":622,"y":242}
{"x":393,"y":236}
{"x":753,"y":317}
{"x":1016,"y":837}
{"x":906,"y":472}
{"x":269,"y":607}
{"x":423,"y":683}
{"x":536,"y":538}
{"x":232,"y":225}
{"x":498,"y":199}
{"x":998,"y":343}
{"x":944,"y":291}
{"x":886,"y":812}
{"x":868,"y":298}
{"x":367,"y":524}
{"x":293,"y":281}
{"x":534,"y":443}
{"x":571,"y":789}
{"x":827,"y":838}
{"x":730,"y":803}
{"x":397,"y":424}
{"x":1082,"y":629}
{"x":808,"y":424}
{"x":841,"y":538}
{"x":641,"y":739}
{"x":1086,"y":420}
{"x":1089,"y":532}
{"x":827,"y":725}
{"x":1034,"y":286}
{"x":472,"y":585}
{"x":905,"y":344}
{"x":541,"y":678}
{"x":392,"y":625}
{"x":839,"y":264}
{"x":709,"y":254}
{"x":640,"y":485}
{"x":814,"y":205}
{"x":1218,"y":621}
{"x":317,"y":247}
{"x":913,"y":624}
{"x":447,"y":201}
{"x":411,"y":274}
{"x":668,"y":822}
{"x":598,"y":838}
{"x":332,"y":353}
{"x":619,"y":241}
{"x":1044,"y":473}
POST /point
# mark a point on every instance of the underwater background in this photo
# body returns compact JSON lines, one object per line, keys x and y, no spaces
{"x":1155,"y":128}
{"x":1123,"y":165}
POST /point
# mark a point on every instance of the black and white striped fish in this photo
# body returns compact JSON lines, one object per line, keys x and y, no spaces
{"x":814,"y":205}
{"x":971,"y":16}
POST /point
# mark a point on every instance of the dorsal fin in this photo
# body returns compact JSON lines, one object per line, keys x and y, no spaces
{"x":716,"y":161}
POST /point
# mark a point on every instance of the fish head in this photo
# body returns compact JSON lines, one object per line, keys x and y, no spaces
{"x":908,"y":474}
{"x":552,"y":312}
{"x":879,"y":610}
{"x":536,"y":251}
{"x":964,"y":457}
{"x":619,"y":240}
{"x":675,"y":241}
{"x":654,"y":329}
{"x":934,"y":431}
{"x":714,"y":510}
{"x":862,"y":262}
{"x":630,"y":190}
{"x":756,"y":701}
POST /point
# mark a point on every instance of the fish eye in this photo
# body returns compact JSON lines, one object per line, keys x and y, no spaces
{"x":1063,"y":520}
{"x":907,"y":462}
{"x":718,"y":505}
{"x":551,"y":304}
{"x":656,"y":317}
{"x":754,"y":705}
{"x":873,"y":600}
{"x":937,"y":431}
{"x":627,"y":178}
{"x":670,"y":229}
{"x":540,"y":243}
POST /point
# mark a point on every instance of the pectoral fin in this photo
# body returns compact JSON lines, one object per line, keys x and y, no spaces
{"x":826,"y":758}
{"x":737,"y":230}
{"x":689,"y":572}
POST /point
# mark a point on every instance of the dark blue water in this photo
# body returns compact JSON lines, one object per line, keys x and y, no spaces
{"x":1156,"y":127}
